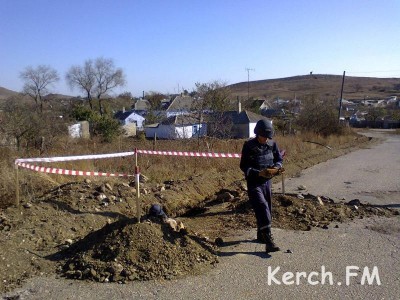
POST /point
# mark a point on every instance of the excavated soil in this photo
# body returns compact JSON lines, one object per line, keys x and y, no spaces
{"x":126,"y":250}
{"x":225,"y":213}
{"x":88,"y":231}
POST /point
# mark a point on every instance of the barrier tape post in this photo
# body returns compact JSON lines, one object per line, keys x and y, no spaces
{"x":136,"y":151}
{"x":16,"y":186}
{"x":137,"y":184}
{"x":138,"y":208}
{"x":283,"y":153}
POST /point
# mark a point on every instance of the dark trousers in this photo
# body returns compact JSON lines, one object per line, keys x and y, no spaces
{"x":260,"y":197}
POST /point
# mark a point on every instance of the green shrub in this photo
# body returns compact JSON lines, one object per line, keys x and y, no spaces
{"x":101,"y":125}
{"x":141,"y":136}
{"x":107,"y":127}
{"x":82,"y":113}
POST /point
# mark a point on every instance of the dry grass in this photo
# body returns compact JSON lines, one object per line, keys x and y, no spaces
{"x":158,"y":168}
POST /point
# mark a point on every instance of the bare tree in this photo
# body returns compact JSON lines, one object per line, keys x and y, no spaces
{"x":37,"y":82}
{"x":213,"y":96}
{"x":82,"y":78}
{"x":19,"y":122}
{"x":96,"y":78}
{"x":154,"y":99}
{"x":211,"y":101}
{"x":107,"y":77}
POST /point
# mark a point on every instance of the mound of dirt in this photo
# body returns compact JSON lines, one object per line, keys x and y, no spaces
{"x":125,"y":251}
{"x":291,"y":212}
{"x":231,"y":210}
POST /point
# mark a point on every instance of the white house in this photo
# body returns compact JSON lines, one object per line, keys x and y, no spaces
{"x":130,"y":117}
{"x":245,"y":122}
{"x":176,"y":127}
{"x":241,"y":124}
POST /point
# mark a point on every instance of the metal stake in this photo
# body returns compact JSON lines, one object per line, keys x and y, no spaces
{"x":17,"y":202}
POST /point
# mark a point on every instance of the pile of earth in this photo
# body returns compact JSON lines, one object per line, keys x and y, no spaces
{"x":126,"y":250}
{"x":318,"y":211}
{"x":230,"y":210}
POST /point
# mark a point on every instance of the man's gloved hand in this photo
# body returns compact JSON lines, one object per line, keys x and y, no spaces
{"x":271,"y":172}
{"x":252,"y":173}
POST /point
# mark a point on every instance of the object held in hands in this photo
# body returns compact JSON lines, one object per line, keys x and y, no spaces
{"x":271,"y":172}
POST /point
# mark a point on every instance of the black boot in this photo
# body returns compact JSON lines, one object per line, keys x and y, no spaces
{"x":270,"y":245}
{"x":261,"y":236}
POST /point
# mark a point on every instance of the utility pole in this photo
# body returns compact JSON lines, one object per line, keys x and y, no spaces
{"x":248,"y":82}
{"x":341,"y":96}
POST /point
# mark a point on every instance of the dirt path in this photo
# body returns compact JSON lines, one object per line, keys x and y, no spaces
{"x":243,"y":268}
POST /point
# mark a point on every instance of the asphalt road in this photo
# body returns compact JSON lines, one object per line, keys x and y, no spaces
{"x":370,"y":175}
{"x":320,"y":258}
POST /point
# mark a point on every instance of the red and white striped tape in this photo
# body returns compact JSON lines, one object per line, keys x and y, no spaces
{"x":70,"y":158}
{"x":122,"y":154}
{"x":22,"y":162}
{"x":191,"y":154}
{"x":69,"y":172}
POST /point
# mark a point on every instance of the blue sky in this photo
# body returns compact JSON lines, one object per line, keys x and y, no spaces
{"x":167,"y":46}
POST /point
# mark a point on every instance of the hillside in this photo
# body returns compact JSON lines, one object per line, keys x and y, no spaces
{"x":298,"y":86}
{"x":5,"y":93}
{"x":317,"y":84}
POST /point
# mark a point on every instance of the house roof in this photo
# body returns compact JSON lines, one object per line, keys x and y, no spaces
{"x":181,"y":103}
{"x":140,"y":112}
{"x":142,"y":104}
{"x":257,"y":102}
{"x":244,"y":117}
{"x":180,"y":120}
{"x":250,"y":117}
{"x":122,"y":115}
{"x":274,"y":112}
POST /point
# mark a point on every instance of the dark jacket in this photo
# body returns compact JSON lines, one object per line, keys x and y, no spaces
{"x":256,"y":156}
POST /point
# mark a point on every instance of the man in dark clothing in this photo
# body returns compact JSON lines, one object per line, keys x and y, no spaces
{"x":261,"y":154}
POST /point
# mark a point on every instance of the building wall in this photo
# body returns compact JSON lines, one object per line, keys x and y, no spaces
{"x":129,"y":129}
{"x":240,"y":131}
{"x":171,"y":132}
{"x":162,"y":132}
{"x":187,"y":132}
{"x":251,"y":129}
{"x":79,"y":130}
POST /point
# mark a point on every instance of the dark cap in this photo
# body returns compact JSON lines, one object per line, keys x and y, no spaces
{"x":264,"y":128}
